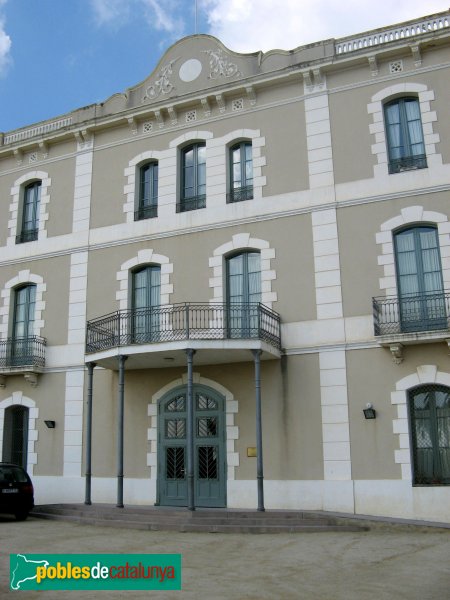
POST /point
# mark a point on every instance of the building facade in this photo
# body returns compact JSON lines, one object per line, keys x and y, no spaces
{"x":230,"y":284}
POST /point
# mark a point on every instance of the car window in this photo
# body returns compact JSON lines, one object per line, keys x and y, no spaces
{"x":12,"y":475}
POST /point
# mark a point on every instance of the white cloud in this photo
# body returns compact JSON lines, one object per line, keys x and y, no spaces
{"x":5,"y":47}
{"x":159,"y":15}
{"x":250,"y":25}
{"x":110,"y":11}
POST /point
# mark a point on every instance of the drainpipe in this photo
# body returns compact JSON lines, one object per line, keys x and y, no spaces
{"x":259,"y":450}
{"x":90,"y":367}
{"x":120,"y":411}
{"x":190,"y":432}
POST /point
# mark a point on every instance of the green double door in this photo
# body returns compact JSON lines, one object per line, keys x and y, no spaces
{"x":209,"y":448}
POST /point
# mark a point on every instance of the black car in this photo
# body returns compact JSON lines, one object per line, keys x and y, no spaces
{"x":16,"y":491}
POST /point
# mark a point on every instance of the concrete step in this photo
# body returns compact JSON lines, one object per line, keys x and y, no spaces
{"x":201,"y":520}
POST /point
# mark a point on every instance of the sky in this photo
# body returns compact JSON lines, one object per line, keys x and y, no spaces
{"x":60,"y":55}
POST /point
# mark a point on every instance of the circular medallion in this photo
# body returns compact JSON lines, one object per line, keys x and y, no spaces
{"x":190,"y":70}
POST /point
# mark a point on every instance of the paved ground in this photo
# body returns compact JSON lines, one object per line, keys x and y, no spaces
{"x":377,"y":565}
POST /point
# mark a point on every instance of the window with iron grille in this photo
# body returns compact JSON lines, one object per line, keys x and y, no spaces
{"x":429,"y":410}
{"x":404,"y":134}
{"x":193,"y":178}
{"x":29,"y":226}
{"x":241,"y":172}
{"x":147,"y":201}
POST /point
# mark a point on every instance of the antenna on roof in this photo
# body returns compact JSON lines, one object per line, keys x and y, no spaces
{"x":195,"y":17}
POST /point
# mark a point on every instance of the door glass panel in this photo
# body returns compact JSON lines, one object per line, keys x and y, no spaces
{"x":177,"y":404}
{"x":207,"y":427}
{"x":205,"y":402}
{"x":146,"y":300}
{"x":419,"y":274}
{"x":175,"y":462}
{"x":207,"y":462}
{"x":175,"y":428}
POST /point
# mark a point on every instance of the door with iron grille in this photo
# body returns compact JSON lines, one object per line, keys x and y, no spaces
{"x":209,"y":448}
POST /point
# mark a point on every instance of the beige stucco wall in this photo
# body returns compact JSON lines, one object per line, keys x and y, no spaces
{"x":372,"y":376}
{"x":48,"y":396}
{"x":55,"y":275}
{"x":290,"y":237}
{"x":358,"y":226}
{"x":291,"y":416}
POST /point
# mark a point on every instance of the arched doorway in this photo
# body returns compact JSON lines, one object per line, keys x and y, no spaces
{"x":15,"y":435}
{"x":429,"y":410}
{"x":209,"y":448}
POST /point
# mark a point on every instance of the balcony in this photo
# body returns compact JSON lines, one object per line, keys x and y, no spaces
{"x":146,"y":212}
{"x":191,"y":203}
{"x":157,"y":337}
{"x":28,"y":235}
{"x":22,"y":355}
{"x":413,"y":318}
{"x":407,"y":163}
{"x":240,"y":194}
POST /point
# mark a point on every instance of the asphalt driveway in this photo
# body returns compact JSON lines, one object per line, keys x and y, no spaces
{"x":380,"y":564}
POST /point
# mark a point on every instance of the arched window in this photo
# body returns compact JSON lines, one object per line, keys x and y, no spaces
{"x":22,"y":333}
{"x":404,"y":134}
{"x":419,"y":279}
{"x":146,"y":299}
{"x":193,"y":178}
{"x":147,"y":200}
{"x":29,"y":227}
{"x":241,"y":172}
{"x":243,"y":272}
{"x":15,"y":435}
{"x":429,"y":411}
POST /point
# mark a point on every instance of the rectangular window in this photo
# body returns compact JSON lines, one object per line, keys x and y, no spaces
{"x":241,"y":173}
{"x":404,"y":133}
{"x":30,"y":213}
{"x":147,"y":205}
{"x":193,"y":178}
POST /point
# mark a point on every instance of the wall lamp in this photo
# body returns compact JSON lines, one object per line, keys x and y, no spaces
{"x":369,"y":412}
{"x":50,"y":424}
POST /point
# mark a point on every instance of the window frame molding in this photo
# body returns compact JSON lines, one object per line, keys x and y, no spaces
{"x":16,"y":205}
{"x":143,"y":258}
{"x":411,"y":216}
{"x":242,"y":242}
{"x":131,"y":188}
{"x":17,"y":398}
{"x":425,"y":374}
{"x":23,"y":278}
{"x":232,"y":431}
{"x":378,"y":129}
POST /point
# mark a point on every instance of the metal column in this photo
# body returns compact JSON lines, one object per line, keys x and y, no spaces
{"x":259,"y":450}
{"x":120,"y":426}
{"x":190,"y":432}
{"x":87,"y":499}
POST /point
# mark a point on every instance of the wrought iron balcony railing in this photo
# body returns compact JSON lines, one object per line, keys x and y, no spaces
{"x":146,"y":212}
{"x":412,"y":313}
{"x":29,"y":235}
{"x":240,"y":194}
{"x":407,"y":163}
{"x":179,"y":322}
{"x":22,"y":353}
{"x":192,"y":203}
